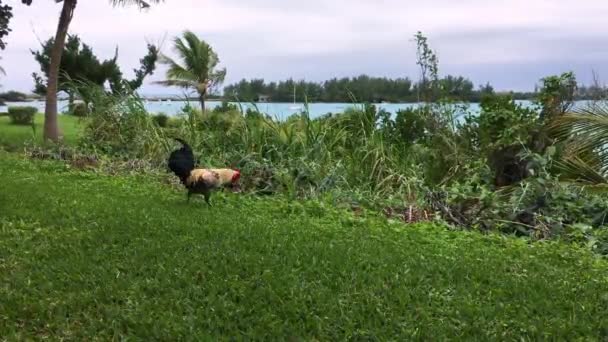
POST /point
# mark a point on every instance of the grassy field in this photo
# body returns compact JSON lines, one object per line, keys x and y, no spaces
{"x":16,"y":135}
{"x":86,"y":256}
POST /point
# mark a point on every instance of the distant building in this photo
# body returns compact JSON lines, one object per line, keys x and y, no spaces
{"x":263,"y":98}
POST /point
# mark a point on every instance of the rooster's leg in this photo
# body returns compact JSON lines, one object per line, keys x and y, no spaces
{"x":189,"y":195}
{"x":207,"y":195}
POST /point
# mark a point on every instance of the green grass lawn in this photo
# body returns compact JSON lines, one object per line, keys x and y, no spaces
{"x":86,"y":256}
{"x":16,"y":135}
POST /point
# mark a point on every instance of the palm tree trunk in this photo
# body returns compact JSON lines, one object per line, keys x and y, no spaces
{"x":51,"y":129}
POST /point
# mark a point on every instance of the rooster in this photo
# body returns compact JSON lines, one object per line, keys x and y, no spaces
{"x":197,"y":180}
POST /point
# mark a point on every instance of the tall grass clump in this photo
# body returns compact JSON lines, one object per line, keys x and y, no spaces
{"x":161,"y":119}
{"x":119,"y":125}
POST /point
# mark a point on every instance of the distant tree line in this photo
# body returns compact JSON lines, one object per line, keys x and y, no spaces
{"x":361,"y":89}
{"x":375,"y":89}
{"x":13,"y":96}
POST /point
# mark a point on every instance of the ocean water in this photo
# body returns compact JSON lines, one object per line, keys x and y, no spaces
{"x":276,"y":110}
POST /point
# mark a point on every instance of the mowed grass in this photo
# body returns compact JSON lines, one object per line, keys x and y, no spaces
{"x":16,"y":135}
{"x":85,"y":256}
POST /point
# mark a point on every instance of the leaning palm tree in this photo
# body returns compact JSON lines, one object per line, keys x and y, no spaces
{"x":197,"y":70}
{"x":51,"y":130}
{"x":584,"y":134}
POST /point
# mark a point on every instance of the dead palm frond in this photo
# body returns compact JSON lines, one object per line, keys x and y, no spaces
{"x":584,"y":134}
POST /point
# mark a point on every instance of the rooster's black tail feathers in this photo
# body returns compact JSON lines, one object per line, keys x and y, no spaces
{"x":181,"y":161}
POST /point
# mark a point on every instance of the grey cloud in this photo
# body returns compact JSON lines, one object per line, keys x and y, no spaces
{"x":509,"y":43}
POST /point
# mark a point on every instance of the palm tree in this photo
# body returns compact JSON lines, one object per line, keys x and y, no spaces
{"x":584,"y":134}
{"x":197,"y":69}
{"x":51,"y":130}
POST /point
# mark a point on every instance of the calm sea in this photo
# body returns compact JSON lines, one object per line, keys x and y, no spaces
{"x":275,"y":110}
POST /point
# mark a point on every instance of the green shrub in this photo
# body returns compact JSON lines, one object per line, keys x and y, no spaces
{"x":174,"y":122}
{"x":120,"y":126}
{"x":225,"y":107}
{"x":80,"y":110}
{"x":161,"y":119}
{"x":22,"y":115}
{"x":410,"y":126}
{"x":502,"y":123}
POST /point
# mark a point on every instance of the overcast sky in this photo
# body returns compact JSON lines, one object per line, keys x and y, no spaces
{"x":510,"y":43}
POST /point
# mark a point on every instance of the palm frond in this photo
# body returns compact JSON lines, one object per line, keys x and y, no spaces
{"x":597,"y":189}
{"x":584,"y":133}
{"x":176,"y":71}
{"x":176,"y":83}
{"x":218,"y":76}
{"x":143,"y":4}
{"x":589,"y":123}
{"x":581,"y":170}
{"x":195,"y":65}
{"x":187,"y":55}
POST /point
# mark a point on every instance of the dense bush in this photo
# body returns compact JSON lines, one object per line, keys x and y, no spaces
{"x":80,"y":109}
{"x":225,"y":107}
{"x":120,"y":127}
{"x":161,"y":119}
{"x":410,"y":126}
{"x":22,"y":115}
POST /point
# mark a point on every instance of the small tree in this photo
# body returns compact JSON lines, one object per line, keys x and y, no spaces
{"x":119,"y":85}
{"x":6,"y":13}
{"x":557,"y":95}
{"x":197,"y":70}
{"x":428,"y":62}
{"x":51,"y":129}
{"x":80,"y":63}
